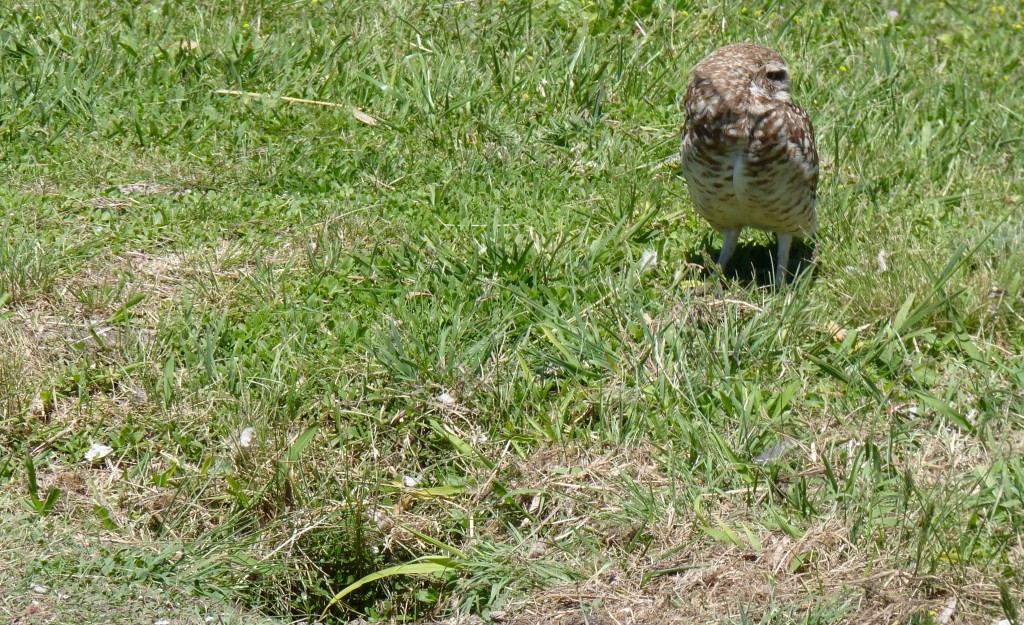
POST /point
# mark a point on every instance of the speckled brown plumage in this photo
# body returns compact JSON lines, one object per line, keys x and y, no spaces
{"x":748,"y":150}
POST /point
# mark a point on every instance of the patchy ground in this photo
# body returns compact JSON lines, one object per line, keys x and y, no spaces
{"x":400,"y":312}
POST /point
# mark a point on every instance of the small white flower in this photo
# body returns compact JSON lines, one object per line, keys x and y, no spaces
{"x":648,"y":260}
{"x":775,"y":452}
{"x":245,"y":437}
{"x":97,"y":452}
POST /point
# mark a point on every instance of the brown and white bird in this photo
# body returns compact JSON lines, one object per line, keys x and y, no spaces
{"x":748,"y":150}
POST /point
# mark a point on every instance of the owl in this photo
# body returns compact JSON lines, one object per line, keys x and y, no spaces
{"x":748,"y":150}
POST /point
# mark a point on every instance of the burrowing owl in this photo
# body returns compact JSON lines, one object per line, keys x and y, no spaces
{"x":748,"y":150}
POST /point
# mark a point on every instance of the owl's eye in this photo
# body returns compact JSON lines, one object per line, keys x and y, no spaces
{"x":776,"y":75}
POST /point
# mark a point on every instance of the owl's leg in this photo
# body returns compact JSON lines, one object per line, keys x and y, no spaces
{"x":731,"y":236}
{"x":782,"y":263}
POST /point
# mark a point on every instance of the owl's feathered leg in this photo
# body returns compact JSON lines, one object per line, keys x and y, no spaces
{"x":782,"y":263}
{"x":731,"y":237}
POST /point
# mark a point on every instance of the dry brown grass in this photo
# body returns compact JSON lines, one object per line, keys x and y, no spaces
{"x":698,"y":580}
{"x":722,"y":586}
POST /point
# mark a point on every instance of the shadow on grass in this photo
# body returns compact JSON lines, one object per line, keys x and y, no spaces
{"x":753,"y":264}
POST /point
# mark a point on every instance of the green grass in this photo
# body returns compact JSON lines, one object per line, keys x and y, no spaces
{"x":445,"y":337}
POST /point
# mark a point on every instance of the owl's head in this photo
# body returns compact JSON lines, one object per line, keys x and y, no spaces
{"x":739,"y":79}
{"x":770,"y":80}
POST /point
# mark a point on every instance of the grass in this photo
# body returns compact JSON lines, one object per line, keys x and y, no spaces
{"x":461,"y":324}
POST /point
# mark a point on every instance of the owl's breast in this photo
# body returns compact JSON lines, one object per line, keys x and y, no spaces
{"x":732,"y":185}
{"x":717,"y":176}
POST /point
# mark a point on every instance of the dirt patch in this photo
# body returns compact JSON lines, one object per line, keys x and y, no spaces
{"x":103,"y":286}
{"x":150,"y":188}
{"x":42,"y":187}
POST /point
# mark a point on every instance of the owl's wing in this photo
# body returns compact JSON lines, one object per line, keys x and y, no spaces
{"x":698,"y":94}
{"x":784,"y":136}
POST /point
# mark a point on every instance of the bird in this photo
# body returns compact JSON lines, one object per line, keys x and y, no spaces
{"x":748,"y":153}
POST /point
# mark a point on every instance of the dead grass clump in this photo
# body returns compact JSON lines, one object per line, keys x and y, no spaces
{"x":820,"y":573}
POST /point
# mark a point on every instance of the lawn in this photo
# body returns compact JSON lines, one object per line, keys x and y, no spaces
{"x":296,"y":292}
